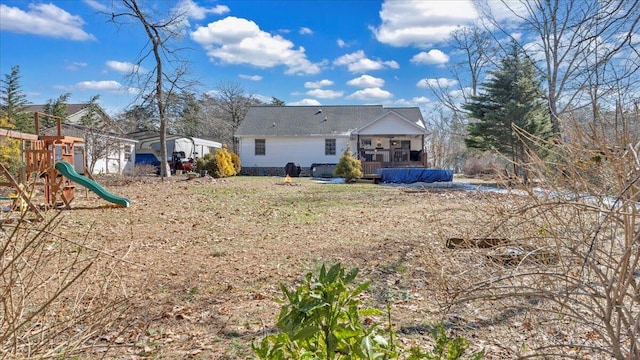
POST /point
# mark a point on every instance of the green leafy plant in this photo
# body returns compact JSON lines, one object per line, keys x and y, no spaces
{"x":324,"y":319}
{"x":209,"y":164}
{"x":445,"y":348}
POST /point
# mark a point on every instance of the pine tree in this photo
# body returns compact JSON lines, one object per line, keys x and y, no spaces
{"x":92,"y":117}
{"x":13,"y":102}
{"x":57,"y":107}
{"x":512,"y":97}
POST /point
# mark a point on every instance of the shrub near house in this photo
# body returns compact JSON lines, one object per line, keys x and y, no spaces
{"x":220,"y":164}
{"x":348,"y":167}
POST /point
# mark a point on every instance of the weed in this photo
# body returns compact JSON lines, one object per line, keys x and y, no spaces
{"x":324,"y":319}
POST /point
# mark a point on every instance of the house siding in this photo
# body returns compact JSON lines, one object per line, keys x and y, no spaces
{"x":303,"y":151}
{"x":391,"y":125}
{"x":297,"y":134}
{"x":114,"y":163}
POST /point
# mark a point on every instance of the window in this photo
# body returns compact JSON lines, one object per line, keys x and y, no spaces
{"x":127,"y":152}
{"x":260,"y":147}
{"x":366,"y":143}
{"x":329,"y":146}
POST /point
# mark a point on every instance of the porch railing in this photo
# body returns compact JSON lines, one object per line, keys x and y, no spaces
{"x":392,"y":157}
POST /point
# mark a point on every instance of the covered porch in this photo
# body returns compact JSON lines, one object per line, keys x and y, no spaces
{"x":390,"y":151}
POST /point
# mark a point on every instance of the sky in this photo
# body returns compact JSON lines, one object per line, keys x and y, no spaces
{"x":304,"y":52}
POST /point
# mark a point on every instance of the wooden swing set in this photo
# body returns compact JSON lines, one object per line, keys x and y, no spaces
{"x":40,"y":155}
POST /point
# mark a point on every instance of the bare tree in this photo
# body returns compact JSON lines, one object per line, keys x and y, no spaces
{"x":568,"y":32}
{"x":213,"y":124}
{"x":446,"y":147}
{"x":234,"y":104}
{"x":448,"y":120}
{"x":169,"y":71}
{"x":475,"y":44}
{"x":99,"y":144}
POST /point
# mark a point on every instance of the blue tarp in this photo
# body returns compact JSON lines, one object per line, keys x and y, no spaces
{"x":412,"y":175}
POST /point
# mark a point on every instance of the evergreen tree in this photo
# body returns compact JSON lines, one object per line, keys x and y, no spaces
{"x":511,"y":98}
{"x":13,"y":102}
{"x":57,"y":107}
{"x":92,"y":118}
{"x":190,"y":121}
{"x":276,"y":102}
{"x":138,"y":118}
{"x":348,"y":167}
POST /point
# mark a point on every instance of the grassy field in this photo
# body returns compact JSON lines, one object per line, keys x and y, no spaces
{"x":192,"y":269}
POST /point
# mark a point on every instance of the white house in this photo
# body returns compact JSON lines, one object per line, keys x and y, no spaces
{"x":270,"y":137}
{"x":104,"y":152}
{"x":75,"y":113}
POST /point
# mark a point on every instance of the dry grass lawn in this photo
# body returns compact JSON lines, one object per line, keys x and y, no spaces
{"x":200,"y":261}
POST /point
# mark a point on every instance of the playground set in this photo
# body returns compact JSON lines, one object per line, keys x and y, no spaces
{"x":49,"y":162}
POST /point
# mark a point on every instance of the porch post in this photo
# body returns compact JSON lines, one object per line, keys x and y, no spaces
{"x":424,"y":153}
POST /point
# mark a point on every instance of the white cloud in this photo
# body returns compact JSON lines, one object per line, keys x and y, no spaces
{"x":234,"y":40}
{"x":366,"y":81}
{"x":422,"y":23}
{"x":357,"y":62}
{"x":188,"y":9}
{"x":193,"y":11}
{"x":507,"y":11}
{"x":517,"y":36}
{"x":416,"y":101}
{"x":318,"y":84}
{"x":460,"y":94}
{"x":432,"y":57}
{"x":439,"y":82}
{"x":105,"y":85}
{"x":96,"y":5}
{"x":76,"y":65}
{"x":44,"y":20}
{"x":250,"y":77}
{"x":306,"y":31}
{"x":325,"y":94}
{"x":125,"y":67}
{"x":371,"y":94}
{"x":341,"y":43}
{"x":305,"y":102}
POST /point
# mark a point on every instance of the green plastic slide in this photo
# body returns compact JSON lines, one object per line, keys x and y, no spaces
{"x":67,"y":170}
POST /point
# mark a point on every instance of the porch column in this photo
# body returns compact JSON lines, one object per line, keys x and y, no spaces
{"x":424,"y":152}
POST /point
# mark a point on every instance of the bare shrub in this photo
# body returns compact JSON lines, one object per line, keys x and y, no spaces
{"x":485,"y":164}
{"x":143,"y":170}
{"x":51,"y":304}
{"x":566,"y":272}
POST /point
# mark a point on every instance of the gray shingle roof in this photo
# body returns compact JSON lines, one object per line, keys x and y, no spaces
{"x":70,"y":108}
{"x":302,"y":120}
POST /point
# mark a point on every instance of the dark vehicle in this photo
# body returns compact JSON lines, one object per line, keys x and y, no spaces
{"x":180,"y":162}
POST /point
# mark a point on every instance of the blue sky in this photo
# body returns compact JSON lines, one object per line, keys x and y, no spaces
{"x":304,"y":52}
